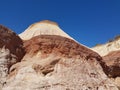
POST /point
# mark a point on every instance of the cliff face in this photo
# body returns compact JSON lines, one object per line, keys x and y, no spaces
{"x":57,"y":63}
{"x":11,"y":52}
{"x":50,"y":60}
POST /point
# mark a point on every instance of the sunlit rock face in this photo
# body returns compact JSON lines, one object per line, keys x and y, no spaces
{"x":110,"y":53}
{"x":11,"y":52}
{"x":57,"y":63}
{"x":106,"y":48}
{"x":48,"y":59}
{"x":44,"y":27}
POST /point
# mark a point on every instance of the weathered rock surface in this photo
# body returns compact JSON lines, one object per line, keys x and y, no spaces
{"x":106,"y":48}
{"x":111,"y":56}
{"x":50,"y":60}
{"x":57,"y":63}
{"x":44,"y":27}
{"x":112,"y":60}
{"x":11,"y":52}
{"x":10,"y":40}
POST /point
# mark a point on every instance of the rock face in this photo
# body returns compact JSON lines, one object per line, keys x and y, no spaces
{"x":112,"y":60}
{"x":11,"y":52}
{"x":104,"y":49}
{"x":53,"y":62}
{"x":49,"y":59}
{"x":45,"y":27}
{"x":111,"y":56}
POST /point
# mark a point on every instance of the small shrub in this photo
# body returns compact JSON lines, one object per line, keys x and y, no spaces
{"x":98,"y":45}
{"x":111,"y":40}
{"x":117,"y":37}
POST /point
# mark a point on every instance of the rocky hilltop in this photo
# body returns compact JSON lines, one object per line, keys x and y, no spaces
{"x":44,"y":27}
{"x":112,"y":45}
{"x":54,"y":61}
{"x":110,"y":53}
{"x":11,"y":52}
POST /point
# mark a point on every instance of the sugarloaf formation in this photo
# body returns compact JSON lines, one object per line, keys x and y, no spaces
{"x":46,"y":58}
{"x":45,"y":27}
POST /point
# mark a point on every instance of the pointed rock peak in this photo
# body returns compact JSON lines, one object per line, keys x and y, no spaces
{"x":44,"y":27}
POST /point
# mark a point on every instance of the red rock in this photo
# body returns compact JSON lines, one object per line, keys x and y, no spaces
{"x":57,"y":63}
{"x":11,"y":41}
{"x":53,"y":44}
{"x":112,"y":60}
{"x":11,"y":52}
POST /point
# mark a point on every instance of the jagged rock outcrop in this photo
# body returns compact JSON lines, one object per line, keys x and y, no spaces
{"x":11,"y":52}
{"x":44,"y":27}
{"x":53,"y":62}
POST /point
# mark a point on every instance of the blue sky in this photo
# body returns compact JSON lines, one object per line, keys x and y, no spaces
{"x":88,"y":21}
